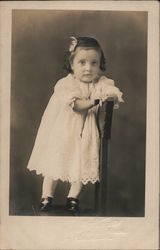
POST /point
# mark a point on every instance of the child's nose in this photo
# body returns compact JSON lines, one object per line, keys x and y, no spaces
{"x":88,"y":66}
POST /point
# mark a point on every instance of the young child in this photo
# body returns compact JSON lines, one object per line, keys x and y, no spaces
{"x":67,"y":143}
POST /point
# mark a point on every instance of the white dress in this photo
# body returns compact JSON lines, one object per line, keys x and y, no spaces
{"x":67,"y":142}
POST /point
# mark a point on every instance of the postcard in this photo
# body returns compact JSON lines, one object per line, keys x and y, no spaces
{"x":79,"y":138}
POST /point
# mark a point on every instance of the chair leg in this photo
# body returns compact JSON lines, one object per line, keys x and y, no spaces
{"x":96,"y":199}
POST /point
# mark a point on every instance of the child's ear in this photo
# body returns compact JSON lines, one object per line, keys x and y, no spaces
{"x":71,"y":63}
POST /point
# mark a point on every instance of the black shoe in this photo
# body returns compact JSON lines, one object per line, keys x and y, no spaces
{"x":72,"y":206}
{"x":46,"y":204}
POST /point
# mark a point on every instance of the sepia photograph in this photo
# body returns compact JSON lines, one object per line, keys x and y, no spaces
{"x":65,"y":65}
{"x":82,"y":125}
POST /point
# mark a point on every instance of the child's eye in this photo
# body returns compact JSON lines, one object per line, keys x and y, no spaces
{"x":82,"y":62}
{"x":94,"y":63}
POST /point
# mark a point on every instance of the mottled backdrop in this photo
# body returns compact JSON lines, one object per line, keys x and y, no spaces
{"x":39,"y":41}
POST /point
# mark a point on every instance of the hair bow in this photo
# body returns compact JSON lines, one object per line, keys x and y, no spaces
{"x":73,"y":44}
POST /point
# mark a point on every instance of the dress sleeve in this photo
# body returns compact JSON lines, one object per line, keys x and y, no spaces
{"x":66,"y":93}
{"x":119,"y":94}
{"x":106,"y":87}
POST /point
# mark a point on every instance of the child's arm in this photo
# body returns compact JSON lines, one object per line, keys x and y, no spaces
{"x":83,"y":105}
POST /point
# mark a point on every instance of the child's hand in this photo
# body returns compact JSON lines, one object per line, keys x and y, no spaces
{"x":112,"y":97}
{"x":109,"y":97}
{"x":109,"y":94}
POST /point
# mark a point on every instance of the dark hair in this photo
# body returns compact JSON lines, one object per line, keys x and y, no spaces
{"x":86,"y":42}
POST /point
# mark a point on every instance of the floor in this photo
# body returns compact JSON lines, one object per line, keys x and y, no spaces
{"x":61,"y":211}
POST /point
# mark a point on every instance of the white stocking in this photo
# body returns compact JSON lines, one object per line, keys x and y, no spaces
{"x":49,"y":186}
{"x":75,"y":189}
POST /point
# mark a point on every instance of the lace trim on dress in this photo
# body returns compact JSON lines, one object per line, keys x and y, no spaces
{"x":85,"y":180}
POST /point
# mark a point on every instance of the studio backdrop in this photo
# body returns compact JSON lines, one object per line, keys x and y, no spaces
{"x":40,"y":39}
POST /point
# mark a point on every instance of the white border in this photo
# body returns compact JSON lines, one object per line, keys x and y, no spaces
{"x":18,"y":232}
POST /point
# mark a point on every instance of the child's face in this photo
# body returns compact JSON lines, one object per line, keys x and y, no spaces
{"x":86,"y":64}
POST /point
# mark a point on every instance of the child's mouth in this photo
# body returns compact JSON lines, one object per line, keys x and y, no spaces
{"x":88,"y":75}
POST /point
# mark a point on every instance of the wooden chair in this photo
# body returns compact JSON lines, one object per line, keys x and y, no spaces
{"x":104,"y":124}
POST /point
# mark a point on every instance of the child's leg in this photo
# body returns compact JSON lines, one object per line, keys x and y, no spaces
{"x":49,"y":186}
{"x":75,"y":189}
{"x":72,"y":204}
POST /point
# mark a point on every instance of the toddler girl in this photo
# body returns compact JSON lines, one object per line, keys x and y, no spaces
{"x":67,"y":142}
